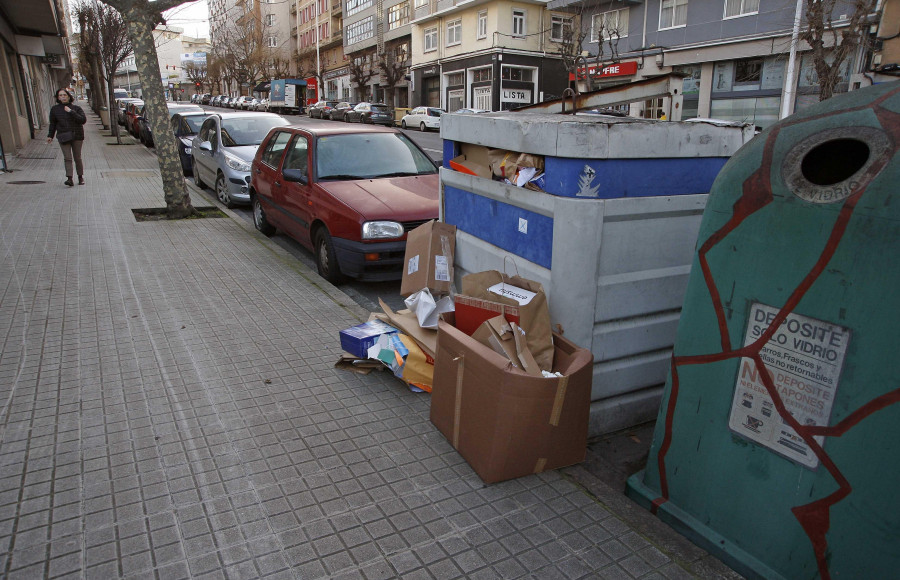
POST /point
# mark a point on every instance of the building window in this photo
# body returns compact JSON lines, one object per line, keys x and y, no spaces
{"x":354,"y":6}
{"x":270,"y":20}
{"x":482,"y":98}
{"x":560,"y":28}
{"x":431,"y":39}
{"x":455,"y":99}
{"x":482,"y":24}
{"x":272,"y":42}
{"x":740,"y":7}
{"x":420,"y":3}
{"x":518,"y":22}
{"x":398,"y":15}
{"x":454,"y":32}
{"x":361,"y":30}
{"x":482,"y":75}
{"x":672,"y":13}
{"x":455,"y":79}
{"x":609,"y":25}
{"x":514,"y":73}
{"x":748,"y":72}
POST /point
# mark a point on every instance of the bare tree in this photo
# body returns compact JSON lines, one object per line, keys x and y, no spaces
{"x":89,"y":56}
{"x":392,"y":64}
{"x":278,"y":67}
{"x":833,"y":44}
{"x":361,"y":72}
{"x":197,"y":74}
{"x":115,"y":48}
{"x":142,"y":17}
{"x":214,"y":71}
{"x":574,"y":35}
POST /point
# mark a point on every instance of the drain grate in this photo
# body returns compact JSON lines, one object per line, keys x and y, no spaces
{"x":26,"y":182}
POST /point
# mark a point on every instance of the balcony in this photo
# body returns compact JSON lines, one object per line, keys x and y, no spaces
{"x":337,"y":5}
{"x":339,"y":33}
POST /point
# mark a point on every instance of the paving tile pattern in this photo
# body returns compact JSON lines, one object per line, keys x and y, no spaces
{"x":169,"y":409}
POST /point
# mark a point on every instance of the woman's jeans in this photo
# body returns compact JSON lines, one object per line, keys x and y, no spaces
{"x":70,"y":149}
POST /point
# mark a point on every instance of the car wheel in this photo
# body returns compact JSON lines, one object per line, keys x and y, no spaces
{"x":259,"y":219}
{"x":403,"y":124}
{"x":197,"y":181}
{"x":422,"y":127}
{"x":326,"y":259}
{"x":222,"y":192}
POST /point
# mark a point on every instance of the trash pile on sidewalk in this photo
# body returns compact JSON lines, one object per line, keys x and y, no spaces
{"x":509,"y":394}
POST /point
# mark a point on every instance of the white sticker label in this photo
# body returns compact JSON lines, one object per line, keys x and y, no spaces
{"x":520,"y":295}
{"x":413,"y":265}
{"x":441,"y":269}
{"x":803,"y":359}
{"x":523,"y":225}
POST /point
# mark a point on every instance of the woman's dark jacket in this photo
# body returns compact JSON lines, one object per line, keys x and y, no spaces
{"x":61,"y":121}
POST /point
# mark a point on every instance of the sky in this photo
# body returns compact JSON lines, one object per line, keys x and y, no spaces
{"x":192,"y":17}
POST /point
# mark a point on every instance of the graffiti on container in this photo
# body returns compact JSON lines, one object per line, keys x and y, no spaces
{"x":585,"y":183}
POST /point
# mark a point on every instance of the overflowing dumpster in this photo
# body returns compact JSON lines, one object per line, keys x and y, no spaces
{"x":603,"y":211}
{"x":777,"y":440}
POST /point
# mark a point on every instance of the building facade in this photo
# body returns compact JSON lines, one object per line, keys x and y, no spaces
{"x":35,"y":61}
{"x":492,"y":55}
{"x":317,"y":26}
{"x":735,"y":54}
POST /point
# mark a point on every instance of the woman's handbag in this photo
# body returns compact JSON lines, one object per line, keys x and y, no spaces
{"x":65,"y":136}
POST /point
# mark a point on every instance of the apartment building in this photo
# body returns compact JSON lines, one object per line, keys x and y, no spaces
{"x":735,"y":54}
{"x":317,"y":29}
{"x":377,"y":43}
{"x":171,"y":48}
{"x":492,"y":55}
{"x":34,"y":62}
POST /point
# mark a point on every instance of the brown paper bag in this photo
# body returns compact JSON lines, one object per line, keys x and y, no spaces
{"x":534,"y":318}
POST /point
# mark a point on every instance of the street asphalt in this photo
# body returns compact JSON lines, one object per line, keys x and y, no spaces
{"x":169,"y":408}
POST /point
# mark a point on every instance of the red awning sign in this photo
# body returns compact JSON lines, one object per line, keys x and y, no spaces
{"x":611,"y":70}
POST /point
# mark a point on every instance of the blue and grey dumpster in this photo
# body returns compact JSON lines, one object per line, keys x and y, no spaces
{"x":610,"y":236}
{"x":777,"y":442}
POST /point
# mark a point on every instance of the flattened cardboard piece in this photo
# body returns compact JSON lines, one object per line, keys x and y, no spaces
{"x":504,"y":423}
{"x":428,"y":260}
{"x":426,"y":338}
{"x":496,"y":334}
{"x":349,"y":362}
{"x":417,"y":371}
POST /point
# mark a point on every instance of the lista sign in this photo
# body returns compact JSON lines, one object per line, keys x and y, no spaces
{"x":611,"y":70}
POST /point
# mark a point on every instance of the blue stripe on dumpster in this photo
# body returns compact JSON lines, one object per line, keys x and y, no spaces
{"x":612,"y":178}
{"x":498,"y":223}
{"x":449,"y":150}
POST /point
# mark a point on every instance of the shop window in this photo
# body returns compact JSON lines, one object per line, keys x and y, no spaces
{"x":455,"y":99}
{"x":455,"y":79}
{"x":482,"y":75}
{"x":482,"y":98}
{"x":514,"y":73}
{"x":748,"y":72}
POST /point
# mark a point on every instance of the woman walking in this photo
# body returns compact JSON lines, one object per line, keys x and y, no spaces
{"x":66,"y":121}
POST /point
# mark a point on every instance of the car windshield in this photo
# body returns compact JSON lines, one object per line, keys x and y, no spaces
{"x":248,"y":130}
{"x":380,"y":108}
{"x":194,"y":122}
{"x":434,"y":112}
{"x":370,"y":155}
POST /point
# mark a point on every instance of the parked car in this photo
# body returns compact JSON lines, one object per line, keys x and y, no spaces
{"x":321,"y":109}
{"x":243,"y":103}
{"x":339,"y":110}
{"x":132,"y":111}
{"x":186,"y":125}
{"x":371,"y":113}
{"x":121,"y":105}
{"x":146,"y":132}
{"x":204,"y":99}
{"x":120,"y":93}
{"x":350,"y":194}
{"x":223,"y":149}
{"x":424,"y":118}
{"x":262,"y":105}
{"x":215,"y":100}
{"x":471,"y":111}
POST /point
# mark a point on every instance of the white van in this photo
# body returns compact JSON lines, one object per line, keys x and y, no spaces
{"x":120,"y":94}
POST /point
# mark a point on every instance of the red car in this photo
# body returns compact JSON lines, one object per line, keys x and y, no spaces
{"x":133,"y":110}
{"x":350,"y":194}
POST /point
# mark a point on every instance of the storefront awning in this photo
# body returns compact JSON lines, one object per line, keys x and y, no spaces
{"x":262,"y":87}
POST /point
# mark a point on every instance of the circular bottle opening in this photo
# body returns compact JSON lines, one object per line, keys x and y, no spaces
{"x":834,"y":161}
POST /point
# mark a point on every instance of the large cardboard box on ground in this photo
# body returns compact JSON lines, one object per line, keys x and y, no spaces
{"x":428,"y":261}
{"x":504,"y":422}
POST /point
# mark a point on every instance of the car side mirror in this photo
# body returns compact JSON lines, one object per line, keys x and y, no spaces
{"x":295,"y":175}
{"x":205,"y":146}
{"x":437,"y":163}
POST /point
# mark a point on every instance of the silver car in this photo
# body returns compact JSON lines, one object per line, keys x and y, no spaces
{"x":223,"y":149}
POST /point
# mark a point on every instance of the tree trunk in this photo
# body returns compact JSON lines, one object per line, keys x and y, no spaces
{"x":111,"y":109}
{"x":140,"y":28}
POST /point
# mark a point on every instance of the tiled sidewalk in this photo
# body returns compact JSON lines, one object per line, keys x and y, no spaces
{"x":169,"y":409}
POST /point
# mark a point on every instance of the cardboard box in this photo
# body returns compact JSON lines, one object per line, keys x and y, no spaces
{"x":507,"y":339}
{"x":358,"y":339}
{"x":472,"y":312}
{"x":428,"y":262}
{"x":505,"y":423}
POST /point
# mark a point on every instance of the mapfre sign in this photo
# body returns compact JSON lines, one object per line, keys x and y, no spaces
{"x":618,"y":69}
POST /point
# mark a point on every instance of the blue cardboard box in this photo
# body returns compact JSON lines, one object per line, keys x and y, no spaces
{"x":358,"y":339}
